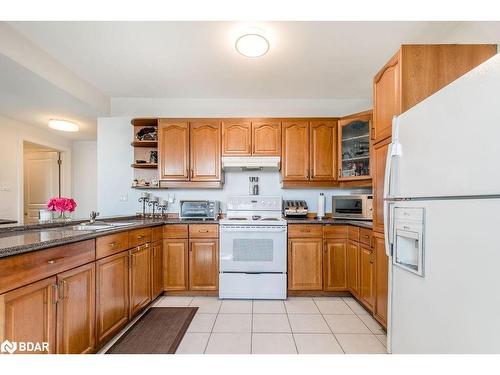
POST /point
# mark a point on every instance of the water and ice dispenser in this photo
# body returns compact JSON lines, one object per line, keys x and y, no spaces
{"x":408,"y":250}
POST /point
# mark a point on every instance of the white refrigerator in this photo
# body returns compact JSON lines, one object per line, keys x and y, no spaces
{"x":442,"y":219}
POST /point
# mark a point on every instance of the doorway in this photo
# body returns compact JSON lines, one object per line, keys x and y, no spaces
{"x":42,"y":178}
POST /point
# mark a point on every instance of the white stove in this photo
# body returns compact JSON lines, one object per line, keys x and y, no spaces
{"x":253,"y":249}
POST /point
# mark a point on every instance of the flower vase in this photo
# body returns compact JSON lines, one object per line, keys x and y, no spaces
{"x":62,"y":216}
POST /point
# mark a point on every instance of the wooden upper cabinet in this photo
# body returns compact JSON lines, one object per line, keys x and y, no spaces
{"x":29,"y":314}
{"x":334,"y":265}
{"x":295,"y":151}
{"x":206,"y":151}
{"x":173,"y":147}
{"x":416,"y":72}
{"x":386,"y":98}
{"x":203,"y":264}
{"x":236,"y":138}
{"x":266,"y":138}
{"x":76,"y":311}
{"x":379,"y":155}
{"x":323,"y":155}
{"x":305,"y":264}
{"x":140,"y":278}
{"x":354,"y":147}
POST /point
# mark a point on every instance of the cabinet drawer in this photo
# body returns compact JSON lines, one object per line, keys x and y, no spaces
{"x":203,"y":231}
{"x":139,"y":237}
{"x":175,"y":231}
{"x":157,"y":233}
{"x":335,"y":231}
{"x":305,"y":230}
{"x":23,"y":269}
{"x":365,"y":236}
{"x":353,"y":233}
{"x":112,"y":244}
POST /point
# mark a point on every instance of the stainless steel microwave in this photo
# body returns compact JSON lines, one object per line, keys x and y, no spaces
{"x":358,"y":207}
{"x":199,"y":209}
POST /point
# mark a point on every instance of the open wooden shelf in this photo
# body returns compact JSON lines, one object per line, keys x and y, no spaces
{"x":145,"y":187}
{"x":145,"y":143}
{"x":144,"y":122}
{"x":145,"y":166}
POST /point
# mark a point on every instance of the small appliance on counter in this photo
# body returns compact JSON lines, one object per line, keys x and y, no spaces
{"x":294,"y":208}
{"x":199,"y":209}
{"x":357,"y":207}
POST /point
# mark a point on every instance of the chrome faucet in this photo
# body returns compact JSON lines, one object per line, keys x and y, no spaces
{"x":93,"y":215}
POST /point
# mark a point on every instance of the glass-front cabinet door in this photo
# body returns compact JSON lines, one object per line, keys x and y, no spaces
{"x":354,"y":148}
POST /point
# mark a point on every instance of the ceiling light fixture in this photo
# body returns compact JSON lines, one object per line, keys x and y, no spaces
{"x":63,"y":125}
{"x":252,"y":45}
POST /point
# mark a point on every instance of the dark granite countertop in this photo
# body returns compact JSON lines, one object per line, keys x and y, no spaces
{"x":25,"y":238}
{"x":20,"y":239}
{"x":329,"y":221}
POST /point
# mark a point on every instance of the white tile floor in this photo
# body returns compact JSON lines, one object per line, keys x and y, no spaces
{"x":323,"y":325}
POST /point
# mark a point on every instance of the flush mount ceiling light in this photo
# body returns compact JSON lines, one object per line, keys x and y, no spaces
{"x":252,"y":45}
{"x":63,"y":125}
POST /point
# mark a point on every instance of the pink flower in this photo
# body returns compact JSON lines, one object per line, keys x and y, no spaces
{"x":61,"y":204}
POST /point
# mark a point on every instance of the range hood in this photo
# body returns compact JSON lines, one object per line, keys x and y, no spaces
{"x":251,"y":163}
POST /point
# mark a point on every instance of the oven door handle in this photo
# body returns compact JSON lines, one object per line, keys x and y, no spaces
{"x":252,"y":230}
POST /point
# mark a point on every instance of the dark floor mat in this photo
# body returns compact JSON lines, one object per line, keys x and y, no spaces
{"x":159,"y":331}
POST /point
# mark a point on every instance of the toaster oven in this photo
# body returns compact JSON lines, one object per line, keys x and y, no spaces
{"x":199,"y":209}
{"x":358,"y":207}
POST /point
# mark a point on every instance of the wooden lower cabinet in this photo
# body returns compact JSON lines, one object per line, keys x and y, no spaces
{"x":175,"y":264}
{"x":381,"y":278}
{"x":76,"y":310}
{"x":157,"y":269}
{"x":140,"y":278}
{"x":112,"y":297}
{"x":305,"y":264}
{"x":353,"y":267}
{"x":29,"y":314}
{"x":367,"y":276}
{"x":203,"y":264}
{"x":334,"y":265}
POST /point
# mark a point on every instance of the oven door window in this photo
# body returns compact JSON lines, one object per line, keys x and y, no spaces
{"x":252,"y":250}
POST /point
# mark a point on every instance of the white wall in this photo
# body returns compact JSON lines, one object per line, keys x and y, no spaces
{"x":84,"y":180}
{"x":116,"y":197}
{"x":11,"y":156}
{"x":163,"y":107}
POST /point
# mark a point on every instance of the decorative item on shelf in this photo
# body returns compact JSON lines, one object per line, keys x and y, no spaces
{"x":153,"y":202}
{"x":135,"y":182}
{"x":140,"y":183}
{"x":140,"y":161}
{"x":144,"y":199}
{"x":154,"y":182}
{"x":147,"y":134}
{"x":153,"y":157}
{"x":64,"y":206}
{"x":163,"y":207}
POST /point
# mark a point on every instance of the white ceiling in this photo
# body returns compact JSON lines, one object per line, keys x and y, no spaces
{"x":307,"y":60}
{"x":198,"y":60}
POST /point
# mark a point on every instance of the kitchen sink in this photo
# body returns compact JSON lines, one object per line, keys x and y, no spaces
{"x":100,"y":225}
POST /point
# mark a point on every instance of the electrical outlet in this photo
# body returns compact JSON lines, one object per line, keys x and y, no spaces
{"x":171,"y":198}
{"x":124,"y":198}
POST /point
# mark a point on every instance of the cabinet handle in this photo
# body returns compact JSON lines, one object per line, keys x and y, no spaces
{"x":340,"y":172}
{"x":192,"y":173}
{"x":113,"y":244}
{"x":203,"y":231}
{"x":53,"y":261}
{"x":55,"y":296}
